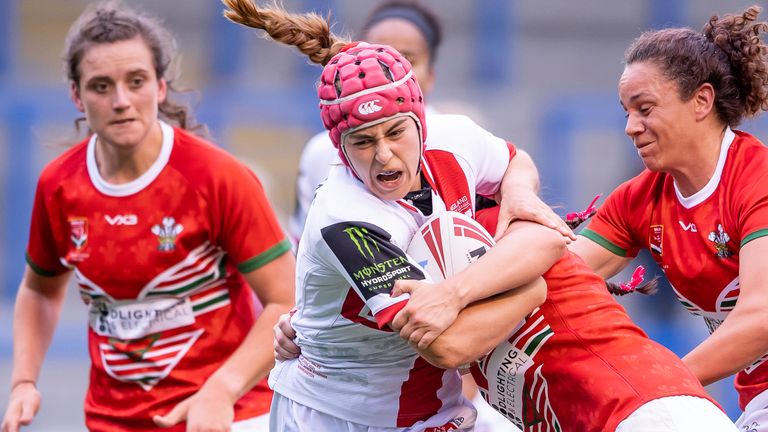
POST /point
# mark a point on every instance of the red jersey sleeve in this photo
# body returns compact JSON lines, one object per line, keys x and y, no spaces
{"x":42,"y":254}
{"x":618,"y":224}
{"x":512,"y":150}
{"x":250,"y":232}
{"x":752,"y":208}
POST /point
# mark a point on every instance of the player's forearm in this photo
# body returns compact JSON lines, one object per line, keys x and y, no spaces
{"x":521,"y":173}
{"x":252,"y":360}
{"x":469,"y":338}
{"x":743,"y":336}
{"x":602,"y":261}
{"x":526,"y":252}
{"x":736,"y":344}
{"x":34,"y":322}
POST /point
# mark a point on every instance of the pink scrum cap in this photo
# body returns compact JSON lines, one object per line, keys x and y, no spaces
{"x":364,"y":85}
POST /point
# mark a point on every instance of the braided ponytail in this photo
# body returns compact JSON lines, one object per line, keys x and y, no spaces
{"x":308,"y":32}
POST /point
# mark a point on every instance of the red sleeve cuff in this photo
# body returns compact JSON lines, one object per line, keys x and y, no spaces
{"x":512,"y":150}
{"x":386,"y":315}
{"x":43,"y":271}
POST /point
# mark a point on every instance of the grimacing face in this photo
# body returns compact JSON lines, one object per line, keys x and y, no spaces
{"x":406,"y":38}
{"x":386,"y":157}
{"x":658,"y":120}
{"x":119,"y":92}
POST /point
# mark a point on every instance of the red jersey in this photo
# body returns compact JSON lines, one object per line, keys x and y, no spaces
{"x":158,"y":263}
{"x":696,"y":240}
{"x":578,"y":362}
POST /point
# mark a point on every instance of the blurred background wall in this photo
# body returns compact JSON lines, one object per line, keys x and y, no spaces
{"x":540,"y":73}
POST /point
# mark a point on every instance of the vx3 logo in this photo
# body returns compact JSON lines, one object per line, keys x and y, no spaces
{"x":688,"y":227}
{"x":128,"y":219}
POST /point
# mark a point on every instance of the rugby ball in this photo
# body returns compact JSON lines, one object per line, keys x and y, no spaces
{"x":447,"y":244}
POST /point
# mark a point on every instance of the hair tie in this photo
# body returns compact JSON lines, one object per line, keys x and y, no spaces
{"x":575,"y":219}
{"x":635,"y":281}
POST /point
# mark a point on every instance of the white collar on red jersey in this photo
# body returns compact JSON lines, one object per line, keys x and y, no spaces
{"x":134,"y":186}
{"x":708,"y":189}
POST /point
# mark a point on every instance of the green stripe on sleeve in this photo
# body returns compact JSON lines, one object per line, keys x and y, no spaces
{"x":754,"y":235}
{"x":602,"y":241}
{"x":265,"y":257}
{"x":37,"y":269}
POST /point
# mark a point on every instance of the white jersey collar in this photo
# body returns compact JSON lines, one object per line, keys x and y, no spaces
{"x":707,"y":191}
{"x":134,"y":186}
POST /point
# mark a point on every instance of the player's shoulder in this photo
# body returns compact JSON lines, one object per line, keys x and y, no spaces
{"x":440,"y":125}
{"x":458,"y":134}
{"x":202,"y":162}
{"x":749,"y":154}
{"x":637,"y":193}
{"x":643,"y":183}
{"x":65,"y":165}
{"x":452,"y":133}
{"x":343,"y":198}
{"x":197,"y":150}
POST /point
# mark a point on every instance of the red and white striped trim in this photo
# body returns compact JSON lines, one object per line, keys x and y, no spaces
{"x":150,"y":365}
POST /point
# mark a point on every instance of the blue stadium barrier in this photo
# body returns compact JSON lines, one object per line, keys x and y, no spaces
{"x":20,"y":110}
{"x":226,"y":51}
{"x":667,"y":13}
{"x":8,"y":30}
{"x":562,"y":117}
{"x":495,"y":31}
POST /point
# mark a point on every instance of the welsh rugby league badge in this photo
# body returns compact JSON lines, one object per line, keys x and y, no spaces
{"x":655,"y":239}
{"x":78,"y":236}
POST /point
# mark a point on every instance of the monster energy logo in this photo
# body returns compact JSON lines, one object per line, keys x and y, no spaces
{"x":369,"y":257}
{"x":360,"y":234}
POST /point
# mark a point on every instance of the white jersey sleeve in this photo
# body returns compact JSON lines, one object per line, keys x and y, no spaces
{"x":487,"y":155}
